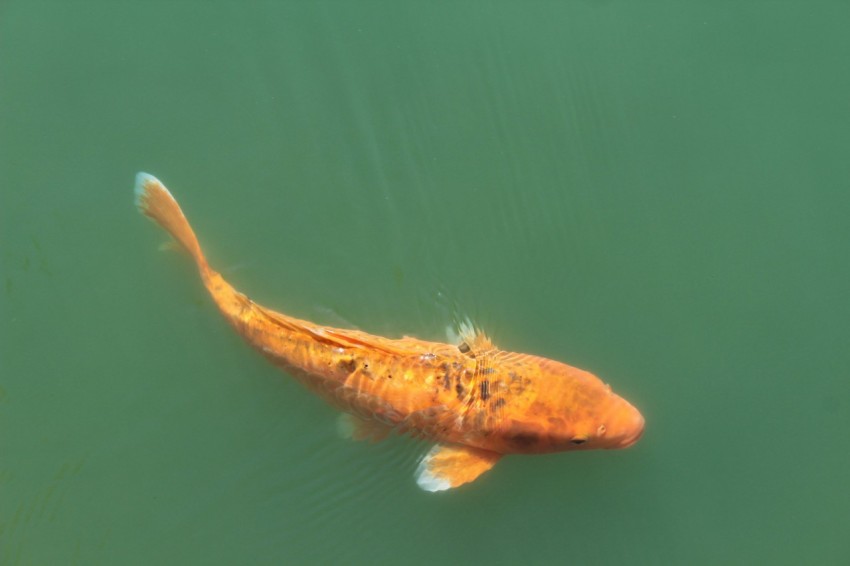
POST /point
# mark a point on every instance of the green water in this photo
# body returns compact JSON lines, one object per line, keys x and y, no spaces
{"x":656,"y":193}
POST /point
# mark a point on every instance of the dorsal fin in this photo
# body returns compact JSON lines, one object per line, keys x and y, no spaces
{"x":333,"y":336}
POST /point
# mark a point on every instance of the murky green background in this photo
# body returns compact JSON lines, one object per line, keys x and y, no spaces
{"x":657,"y":193}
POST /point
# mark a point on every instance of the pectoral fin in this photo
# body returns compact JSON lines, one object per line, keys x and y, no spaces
{"x":355,"y":428}
{"x":445,"y":467}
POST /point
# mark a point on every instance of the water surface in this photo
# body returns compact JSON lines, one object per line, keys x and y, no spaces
{"x":655,"y":193}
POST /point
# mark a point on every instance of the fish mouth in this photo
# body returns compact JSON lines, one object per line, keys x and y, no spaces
{"x":635,"y":428}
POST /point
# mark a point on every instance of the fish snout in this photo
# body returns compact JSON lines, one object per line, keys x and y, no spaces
{"x":626,"y":426}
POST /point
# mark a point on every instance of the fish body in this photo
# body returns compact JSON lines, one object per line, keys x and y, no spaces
{"x":476,"y":402}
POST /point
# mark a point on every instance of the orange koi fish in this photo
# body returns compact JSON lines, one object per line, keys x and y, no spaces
{"x":476,"y":402}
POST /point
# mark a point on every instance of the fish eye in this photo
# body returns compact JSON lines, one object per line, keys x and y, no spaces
{"x":578,"y":441}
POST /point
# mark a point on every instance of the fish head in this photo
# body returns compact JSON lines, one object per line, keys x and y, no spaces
{"x":611,"y":423}
{"x":572,"y":410}
{"x":615,"y":423}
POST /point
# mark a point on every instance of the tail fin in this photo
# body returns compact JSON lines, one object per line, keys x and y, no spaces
{"x":155,"y":202}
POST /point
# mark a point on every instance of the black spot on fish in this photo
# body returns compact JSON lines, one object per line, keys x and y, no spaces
{"x":488,"y":371}
{"x":459,"y":390}
{"x":447,"y":382}
{"x":498,"y":403}
{"x":479,"y":420}
{"x":523,"y":440}
{"x":347,"y":365}
{"x":485,"y":390}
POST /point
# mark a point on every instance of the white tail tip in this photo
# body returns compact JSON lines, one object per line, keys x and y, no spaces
{"x":144,"y":183}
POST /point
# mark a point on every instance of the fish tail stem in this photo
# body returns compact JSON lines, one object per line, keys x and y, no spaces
{"x":155,"y":201}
